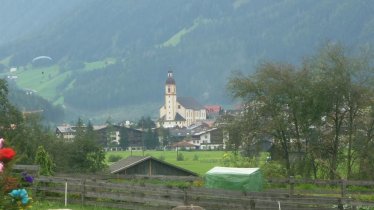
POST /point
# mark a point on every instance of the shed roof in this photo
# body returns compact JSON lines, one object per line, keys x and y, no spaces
{"x":134,"y":160}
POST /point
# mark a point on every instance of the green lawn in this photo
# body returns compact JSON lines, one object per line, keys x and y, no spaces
{"x":197,"y":161}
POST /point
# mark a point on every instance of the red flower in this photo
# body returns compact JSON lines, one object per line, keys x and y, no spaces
{"x":7,"y":154}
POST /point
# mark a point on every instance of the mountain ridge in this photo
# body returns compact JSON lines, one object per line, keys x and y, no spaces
{"x":203,"y":42}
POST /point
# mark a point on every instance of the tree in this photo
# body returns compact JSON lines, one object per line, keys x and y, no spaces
{"x":150,"y":139}
{"x":342,"y":85}
{"x":164,"y":135}
{"x":44,"y":160}
{"x":365,"y":145}
{"x":274,"y":101}
{"x":24,"y":133}
{"x":124,"y":141}
{"x":85,"y":154}
{"x":314,"y":114}
{"x":232,"y":126}
{"x":145,"y":122}
{"x":10,"y":116}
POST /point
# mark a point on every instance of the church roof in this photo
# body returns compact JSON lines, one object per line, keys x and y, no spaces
{"x":189,"y":103}
{"x":179,"y":117}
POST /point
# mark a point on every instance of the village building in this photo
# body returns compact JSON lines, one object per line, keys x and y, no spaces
{"x":179,"y":111}
{"x":199,"y":137}
{"x":183,"y":145}
{"x":66,"y":132}
{"x":109,"y":136}
{"x":211,"y":139}
{"x":213,"y":111}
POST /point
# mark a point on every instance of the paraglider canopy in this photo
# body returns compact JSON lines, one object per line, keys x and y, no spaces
{"x":41,"y":58}
{"x":41,"y":61}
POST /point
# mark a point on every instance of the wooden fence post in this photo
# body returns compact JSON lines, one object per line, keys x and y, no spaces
{"x":185,"y":199}
{"x":83,"y":188}
{"x":291,"y":181}
{"x":66,"y":192}
{"x":252,"y":204}
{"x":343,"y":187}
{"x":340,"y":204}
{"x":35,"y":188}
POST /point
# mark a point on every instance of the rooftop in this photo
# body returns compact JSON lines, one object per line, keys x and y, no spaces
{"x":190,"y":103}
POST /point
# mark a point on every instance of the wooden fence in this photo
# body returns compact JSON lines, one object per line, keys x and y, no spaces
{"x":143,"y":196}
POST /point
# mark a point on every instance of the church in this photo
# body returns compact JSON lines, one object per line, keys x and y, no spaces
{"x":179,"y":111}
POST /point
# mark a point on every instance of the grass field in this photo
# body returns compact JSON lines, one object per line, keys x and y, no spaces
{"x":197,"y":161}
{"x":45,"y":80}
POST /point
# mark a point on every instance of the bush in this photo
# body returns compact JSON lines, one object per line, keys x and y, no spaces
{"x":114,"y":158}
{"x":274,"y":170}
{"x":180,"y":157}
{"x":195,"y":157}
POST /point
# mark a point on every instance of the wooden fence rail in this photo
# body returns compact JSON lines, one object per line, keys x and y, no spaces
{"x":143,"y":196}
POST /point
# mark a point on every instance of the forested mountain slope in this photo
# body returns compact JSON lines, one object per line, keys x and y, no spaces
{"x":111,"y":54}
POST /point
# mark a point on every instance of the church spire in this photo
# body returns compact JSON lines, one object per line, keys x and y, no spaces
{"x":170,"y":80}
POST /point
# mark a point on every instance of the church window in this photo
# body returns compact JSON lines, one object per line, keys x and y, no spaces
{"x":179,"y":106}
{"x":168,"y":89}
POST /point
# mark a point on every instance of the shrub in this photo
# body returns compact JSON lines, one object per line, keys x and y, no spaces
{"x":180,"y":157}
{"x":195,"y":157}
{"x":114,"y":158}
{"x":274,"y":170}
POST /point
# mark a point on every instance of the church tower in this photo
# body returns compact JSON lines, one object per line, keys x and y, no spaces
{"x":170,"y":97}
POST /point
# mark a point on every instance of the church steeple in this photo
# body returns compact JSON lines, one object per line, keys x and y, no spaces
{"x":170,"y":97}
{"x":170,"y":80}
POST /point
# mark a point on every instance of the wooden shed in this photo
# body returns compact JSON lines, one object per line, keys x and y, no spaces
{"x":149,"y":166}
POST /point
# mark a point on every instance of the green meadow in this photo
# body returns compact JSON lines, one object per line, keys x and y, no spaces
{"x":197,"y":161}
{"x":46,"y":81}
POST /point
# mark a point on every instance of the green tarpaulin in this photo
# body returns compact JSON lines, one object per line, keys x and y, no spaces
{"x":244,"y":179}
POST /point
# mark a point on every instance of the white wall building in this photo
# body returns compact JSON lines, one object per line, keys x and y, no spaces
{"x":208,"y":139}
{"x":179,"y":111}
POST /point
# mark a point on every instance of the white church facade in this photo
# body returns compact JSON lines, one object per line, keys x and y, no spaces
{"x":179,"y":111}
